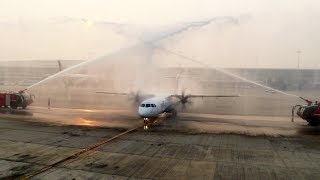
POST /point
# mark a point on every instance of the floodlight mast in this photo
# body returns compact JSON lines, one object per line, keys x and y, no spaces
{"x":298,"y":53}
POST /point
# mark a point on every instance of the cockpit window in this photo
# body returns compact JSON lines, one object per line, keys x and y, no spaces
{"x":143,"y":105}
{"x":152,"y":105}
{"x":147,"y":105}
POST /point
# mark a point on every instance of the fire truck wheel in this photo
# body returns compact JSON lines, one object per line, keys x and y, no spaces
{"x":14,"y":105}
{"x":313,"y":123}
{"x":307,"y":113}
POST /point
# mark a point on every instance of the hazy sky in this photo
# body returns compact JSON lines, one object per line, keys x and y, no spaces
{"x":268,"y":34}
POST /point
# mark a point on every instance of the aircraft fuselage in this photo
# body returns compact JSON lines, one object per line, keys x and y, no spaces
{"x":153,"y":107}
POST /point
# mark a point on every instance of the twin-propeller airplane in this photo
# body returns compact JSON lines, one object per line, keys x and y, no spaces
{"x":151,"y":106}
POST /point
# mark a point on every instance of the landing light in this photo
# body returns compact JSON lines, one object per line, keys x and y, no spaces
{"x":84,"y":122}
{"x":88,"y":110}
{"x":88,"y":22}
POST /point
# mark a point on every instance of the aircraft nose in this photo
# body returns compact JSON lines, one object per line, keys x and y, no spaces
{"x":143,"y":112}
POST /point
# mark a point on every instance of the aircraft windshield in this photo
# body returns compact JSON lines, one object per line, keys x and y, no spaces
{"x":148,"y":105}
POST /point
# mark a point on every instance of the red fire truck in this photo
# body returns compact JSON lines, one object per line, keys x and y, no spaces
{"x":309,"y":112}
{"x":15,"y":99}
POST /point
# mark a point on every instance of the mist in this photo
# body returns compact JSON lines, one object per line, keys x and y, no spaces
{"x":159,"y":89}
{"x":265,"y":34}
{"x":140,"y":55}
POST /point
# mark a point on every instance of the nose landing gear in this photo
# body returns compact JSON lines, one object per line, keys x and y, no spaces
{"x":146,"y":122}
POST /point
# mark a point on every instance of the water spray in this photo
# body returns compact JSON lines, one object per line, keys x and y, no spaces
{"x":160,"y":36}
{"x":199,"y":25}
{"x":223,"y":71}
{"x":82,"y":64}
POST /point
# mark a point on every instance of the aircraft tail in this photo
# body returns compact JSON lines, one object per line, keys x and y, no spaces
{"x":60,"y":65}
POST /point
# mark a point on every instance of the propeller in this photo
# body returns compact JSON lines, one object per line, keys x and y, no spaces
{"x":135,"y":97}
{"x":184,"y":99}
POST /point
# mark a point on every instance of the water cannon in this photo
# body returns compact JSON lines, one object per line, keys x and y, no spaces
{"x":308,"y":101}
{"x":22,"y":91}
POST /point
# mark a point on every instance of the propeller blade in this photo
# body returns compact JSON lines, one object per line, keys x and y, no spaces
{"x":183,"y":92}
{"x":135,"y":97}
{"x":184,"y":106}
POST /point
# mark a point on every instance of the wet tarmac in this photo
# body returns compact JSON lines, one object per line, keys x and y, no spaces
{"x":185,"y":122}
{"x":193,"y":146}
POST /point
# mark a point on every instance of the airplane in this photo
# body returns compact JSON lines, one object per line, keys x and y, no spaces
{"x":71,"y":79}
{"x":71,"y":75}
{"x":151,"y":106}
{"x":270,"y":90}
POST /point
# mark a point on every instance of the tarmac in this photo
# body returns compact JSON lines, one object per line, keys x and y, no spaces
{"x":60,"y":143}
{"x":248,"y":137}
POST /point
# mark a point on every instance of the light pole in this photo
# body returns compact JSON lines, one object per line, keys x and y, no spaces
{"x":299,"y":73}
{"x":298,"y":52}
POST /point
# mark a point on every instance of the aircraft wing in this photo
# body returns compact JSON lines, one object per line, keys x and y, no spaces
{"x":214,"y":96}
{"x":112,"y":93}
{"x":77,"y":75}
{"x":204,"y":96}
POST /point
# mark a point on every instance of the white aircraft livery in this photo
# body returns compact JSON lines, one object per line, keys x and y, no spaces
{"x":151,"y":106}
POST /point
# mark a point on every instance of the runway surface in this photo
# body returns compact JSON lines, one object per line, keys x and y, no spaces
{"x":194,"y":146}
{"x":185,"y":122}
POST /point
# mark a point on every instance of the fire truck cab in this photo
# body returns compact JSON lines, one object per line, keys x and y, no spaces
{"x":15,"y":99}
